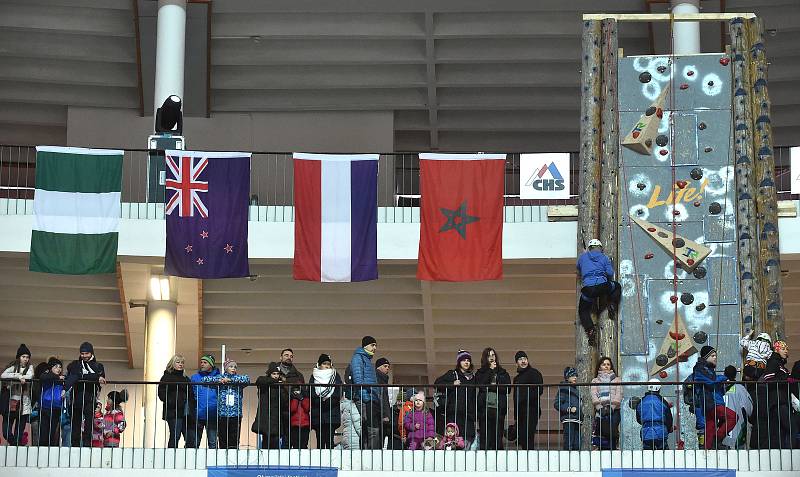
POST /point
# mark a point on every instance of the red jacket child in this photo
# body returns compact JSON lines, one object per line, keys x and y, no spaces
{"x":114,"y":418}
{"x":299,"y":412}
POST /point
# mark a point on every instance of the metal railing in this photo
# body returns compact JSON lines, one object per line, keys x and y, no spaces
{"x":359,"y":427}
{"x":271,"y":187}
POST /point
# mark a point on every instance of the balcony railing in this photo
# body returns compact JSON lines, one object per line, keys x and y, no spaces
{"x":502,"y":427}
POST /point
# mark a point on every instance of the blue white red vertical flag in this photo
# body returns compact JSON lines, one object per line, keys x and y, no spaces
{"x":336,"y":217}
{"x":206,"y":205}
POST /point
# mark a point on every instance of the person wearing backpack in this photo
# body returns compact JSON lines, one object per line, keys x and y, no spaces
{"x":655,"y":416}
{"x":709,"y":402}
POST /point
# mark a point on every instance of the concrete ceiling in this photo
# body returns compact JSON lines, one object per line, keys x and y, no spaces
{"x":458,"y":74}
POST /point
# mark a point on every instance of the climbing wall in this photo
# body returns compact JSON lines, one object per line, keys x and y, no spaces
{"x":677,"y":196}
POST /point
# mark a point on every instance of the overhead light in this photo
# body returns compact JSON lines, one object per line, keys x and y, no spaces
{"x":169,"y":118}
{"x":159,"y":288}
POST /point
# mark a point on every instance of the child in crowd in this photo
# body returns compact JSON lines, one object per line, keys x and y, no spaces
{"x":51,"y":400}
{"x":98,"y":425}
{"x":451,"y":439}
{"x":114,"y":418}
{"x":419,"y":423}
{"x":758,"y":350}
{"x":229,"y":403}
{"x":405,"y":408}
{"x":568,"y":404}
{"x":738,"y":400}
{"x":655,"y":416}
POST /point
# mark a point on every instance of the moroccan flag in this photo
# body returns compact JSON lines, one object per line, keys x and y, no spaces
{"x":336,"y":217}
{"x":461,"y":237}
{"x":76,"y":210}
{"x":206,"y":206}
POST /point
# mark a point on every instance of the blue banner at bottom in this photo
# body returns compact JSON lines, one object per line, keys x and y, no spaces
{"x":669,"y":473}
{"x":273,"y":471}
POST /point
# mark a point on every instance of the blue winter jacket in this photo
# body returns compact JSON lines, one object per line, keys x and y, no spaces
{"x":568,"y":396}
{"x":595,"y":268}
{"x":655,"y":416}
{"x":363,"y":372}
{"x":229,"y":396}
{"x":52,"y":387}
{"x":206,"y":396}
{"x":712,"y":390}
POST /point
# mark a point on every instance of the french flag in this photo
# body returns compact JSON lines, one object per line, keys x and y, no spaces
{"x":336,"y":216}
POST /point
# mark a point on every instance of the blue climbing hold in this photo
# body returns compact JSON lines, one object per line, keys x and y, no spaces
{"x":741,"y":127}
{"x":765,"y":151}
{"x":743,"y":160}
{"x":774,"y":306}
{"x":767,"y":183}
{"x":745,"y":196}
{"x":747,"y":276}
{"x":740,"y":92}
{"x":763,"y":119}
{"x":769,"y":227}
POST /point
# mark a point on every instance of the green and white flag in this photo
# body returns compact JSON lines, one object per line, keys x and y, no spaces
{"x":76,"y":210}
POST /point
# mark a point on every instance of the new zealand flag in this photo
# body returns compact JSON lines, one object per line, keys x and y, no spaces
{"x":206,"y":206}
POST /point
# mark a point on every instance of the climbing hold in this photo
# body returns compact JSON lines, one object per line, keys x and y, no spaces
{"x":648,"y":142}
{"x":681,"y":184}
{"x":700,"y":337}
{"x":710,"y":83}
{"x":683,"y":357}
{"x":645,"y":77}
{"x":640,"y":186}
{"x":659,"y":322}
{"x":635,"y":134}
{"x":690,"y":261}
{"x":690,"y":73}
{"x":662,"y":360}
{"x":651,"y":229}
{"x":648,"y":256}
{"x":724,"y":61}
{"x":663,"y":152}
{"x":708,"y":149}
{"x":676,"y":213}
{"x":701,"y":126}
{"x":662,"y":140}
{"x":662,"y":234}
{"x":671,"y":352}
{"x":640,"y":211}
{"x":684,"y":86}
{"x":696,"y":174}
{"x":650,"y":111}
{"x":714,"y":208}
{"x":662,"y":374}
{"x":700,"y":307}
{"x":697,"y":204}
{"x":678,"y":242}
{"x":673,"y":299}
{"x":661,"y":69}
{"x":699,"y":272}
{"x":677,"y":336}
{"x":681,"y":445}
{"x":659,"y":112}
{"x":687,"y":298}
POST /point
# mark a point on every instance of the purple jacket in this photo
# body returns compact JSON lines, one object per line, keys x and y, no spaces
{"x":424,"y":418}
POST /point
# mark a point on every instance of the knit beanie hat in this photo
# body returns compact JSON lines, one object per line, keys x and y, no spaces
{"x":86,"y":347}
{"x":274,"y":367}
{"x":54,"y":361}
{"x":730,"y":372}
{"x":118,"y":397}
{"x":569,"y":372}
{"x":777,"y":346}
{"x":368,"y":340}
{"x":419,"y":396}
{"x":520,"y":354}
{"x":380,"y":362}
{"x":409,"y":394}
{"x":706,"y":350}
{"x":23,"y":350}
{"x":324,"y":358}
{"x":462,"y":355}
{"x":209,"y":358}
{"x":229,"y":362}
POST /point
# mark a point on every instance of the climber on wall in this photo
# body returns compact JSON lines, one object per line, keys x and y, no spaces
{"x":597,"y":273}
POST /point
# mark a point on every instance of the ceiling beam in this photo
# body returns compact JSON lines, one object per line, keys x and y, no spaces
{"x":124,"y":304}
{"x":430,"y":73}
{"x":430,"y":344}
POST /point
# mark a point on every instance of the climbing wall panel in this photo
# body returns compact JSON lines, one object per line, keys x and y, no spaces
{"x":684,"y":186}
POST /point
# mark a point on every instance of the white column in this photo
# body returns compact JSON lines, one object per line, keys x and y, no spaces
{"x":170,"y":50}
{"x":686,"y":35}
{"x":159,"y":349}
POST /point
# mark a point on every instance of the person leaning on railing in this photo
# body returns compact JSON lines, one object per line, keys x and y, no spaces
{"x":229,"y":403}
{"x":325,"y":401}
{"x":772,"y":425}
{"x":177,"y":395}
{"x":272,"y":414}
{"x":492,"y":400}
{"x":16,"y":397}
{"x":204,"y":415}
{"x":85,"y":376}
{"x":460,"y":401}
{"x":717,"y":420}
{"x":606,"y":398}
{"x":50,"y":402}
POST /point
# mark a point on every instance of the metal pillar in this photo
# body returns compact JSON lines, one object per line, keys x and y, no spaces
{"x":686,"y":35}
{"x":170,"y":50}
{"x":161,"y":323}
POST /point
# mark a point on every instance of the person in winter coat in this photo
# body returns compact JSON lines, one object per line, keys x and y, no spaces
{"x":352,"y":427}
{"x":97,"y":425}
{"x":528,"y":391}
{"x":326,"y":398}
{"x":299,"y":420}
{"x":606,"y":399}
{"x":708,"y":399}
{"x":273,"y":407}
{"x":114,"y":418}
{"x":451,"y":440}
{"x":382,"y":368}
{"x":758,"y":350}
{"x":738,"y":400}
{"x":177,"y":395}
{"x":204,"y":415}
{"x":771,"y":429}
{"x":17,"y":411}
{"x":492,"y":400}
{"x":419,"y":423}
{"x":460,"y":402}
{"x":51,"y":400}
{"x":368,"y":397}
{"x":597,"y":273}
{"x":36,"y":395}
{"x":569,"y":405}
{"x":655,"y":416}
{"x":85,"y":376}
{"x":795,"y":404}
{"x":229,"y":403}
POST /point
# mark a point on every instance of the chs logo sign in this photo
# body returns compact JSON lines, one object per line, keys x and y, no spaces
{"x":544,"y":176}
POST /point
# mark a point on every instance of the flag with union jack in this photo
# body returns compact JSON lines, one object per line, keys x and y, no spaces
{"x":206,"y":205}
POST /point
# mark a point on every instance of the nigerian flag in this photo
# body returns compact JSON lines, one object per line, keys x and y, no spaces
{"x":76,"y":210}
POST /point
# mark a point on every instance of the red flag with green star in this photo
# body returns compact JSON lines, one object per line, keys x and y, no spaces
{"x":461,"y":236}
